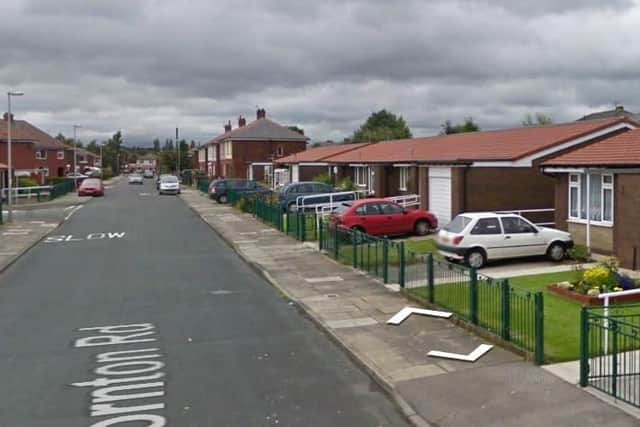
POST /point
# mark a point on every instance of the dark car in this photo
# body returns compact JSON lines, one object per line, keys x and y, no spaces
{"x":219,"y":188}
{"x":290,"y":193}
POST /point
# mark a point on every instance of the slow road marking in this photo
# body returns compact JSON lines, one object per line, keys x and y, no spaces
{"x":476,"y":354}
{"x":65,"y":238}
{"x":402,"y":315}
{"x":125,"y":376}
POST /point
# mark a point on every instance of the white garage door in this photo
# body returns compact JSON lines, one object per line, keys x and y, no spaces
{"x":440,"y":194}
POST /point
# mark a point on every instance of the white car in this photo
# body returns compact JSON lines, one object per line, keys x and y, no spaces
{"x":482,"y":236}
{"x":169,"y":185}
{"x":136,"y":178}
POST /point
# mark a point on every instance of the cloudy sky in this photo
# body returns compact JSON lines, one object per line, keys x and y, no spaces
{"x":147,"y":66}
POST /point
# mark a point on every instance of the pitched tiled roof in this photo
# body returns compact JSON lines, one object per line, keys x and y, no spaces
{"x":498,"y":145}
{"x":319,"y":154}
{"x":620,"y":150}
{"x":260,"y":130}
{"x":25,"y":131}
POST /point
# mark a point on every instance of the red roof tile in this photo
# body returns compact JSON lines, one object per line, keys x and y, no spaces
{"x":498,"y":145}
{"x":620,"y":150}
{"x":318,"y":154}
{"x":25,"y":131}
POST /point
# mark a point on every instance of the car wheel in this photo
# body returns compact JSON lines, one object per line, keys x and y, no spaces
{"x":476,"y":258}
{"x":556,"y":252}
{"x":222,"y":199}
{"x":421,"y":228}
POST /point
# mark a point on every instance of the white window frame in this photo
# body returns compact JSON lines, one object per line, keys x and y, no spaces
{"x":579,"y":184}
{"x":361,"y":176}
{"x":227,"y":150}
{"x":404,"y":178}
{"x":60,"y":155}
{"x":39,"y":154}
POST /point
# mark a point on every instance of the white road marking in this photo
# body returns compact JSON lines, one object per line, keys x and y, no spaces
{"x":74,"y":210}
{"x":69,"y":207}
{"x":145,"y":194}
{"x":476,"y":354}
{"x":15,"y":233}
{"x":8,"y":253}
{"x":323,"y":279}
{"x":91,"y":236}
{"x":36,"y":222}
{"x":402,"y":315}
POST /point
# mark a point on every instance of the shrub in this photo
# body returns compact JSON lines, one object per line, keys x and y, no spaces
{"x":245,"y":204}
{"x":323,"y":178}
{"x":107,"y":173}
{"x":346,"y":185}
{"x":598,"y":277}
{"x":579,"y":253}
{"x":26,"y":182}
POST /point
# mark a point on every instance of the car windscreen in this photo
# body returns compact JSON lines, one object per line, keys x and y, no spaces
{"x":91,"y":182}
{"x":458,"y":224}
{"x":342,"y":208}
{"x":169,"y":179}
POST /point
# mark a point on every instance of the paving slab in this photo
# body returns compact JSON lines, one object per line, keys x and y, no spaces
{"x":500,"y":389}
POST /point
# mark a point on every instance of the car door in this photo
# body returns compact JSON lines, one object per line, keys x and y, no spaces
{"x":395,"y":221}
{"x":370,"y":218}
{"x":521,"y":238}
{"x":487,"y":233}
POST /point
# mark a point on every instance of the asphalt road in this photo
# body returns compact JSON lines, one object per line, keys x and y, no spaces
{"x":183,"y":333}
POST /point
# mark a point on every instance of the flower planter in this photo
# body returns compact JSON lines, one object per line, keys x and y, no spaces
{"x":589,"y":300}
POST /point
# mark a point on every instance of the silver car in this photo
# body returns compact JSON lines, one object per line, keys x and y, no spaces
{"x":169,"y":184}
{"x":135,"y":178}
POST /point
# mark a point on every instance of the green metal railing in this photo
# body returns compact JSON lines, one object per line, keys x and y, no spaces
{"x":202,"y":183}
{"x":60,"y":189}
{"x":302,"y":226}
{"x":610,"y":351}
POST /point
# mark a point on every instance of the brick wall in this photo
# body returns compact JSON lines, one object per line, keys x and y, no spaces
{"x":308,"y":173}
{"x":561,"y":201}
{"x":245,"y":152}
{"x":601,"y":237}
{"x":626,"y":231}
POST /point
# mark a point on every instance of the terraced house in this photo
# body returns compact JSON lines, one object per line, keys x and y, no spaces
{"x":260,"y":142}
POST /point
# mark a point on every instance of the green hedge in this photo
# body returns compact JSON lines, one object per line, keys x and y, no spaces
{"x":26,"y":182}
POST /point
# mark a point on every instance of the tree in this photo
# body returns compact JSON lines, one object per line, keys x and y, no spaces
{"x":539,"y":120}
{"x":468,"y":126}
{"x":296,"y":129}
{"x":112,"y":152}
{"x":156,"y":145}
{"x":93,"y":147}
{"x":381,"y":126}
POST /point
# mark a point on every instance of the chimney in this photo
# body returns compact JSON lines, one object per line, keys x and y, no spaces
{"x":6,"y":116}
{"x":227,"y":127}
{"x":619,"y":108}
{"x":241,"y":121}
{"x":261,"y":113}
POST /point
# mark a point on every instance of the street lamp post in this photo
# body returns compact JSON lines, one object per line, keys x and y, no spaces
{"x":9,"y":159}
{"x":75,"y":155}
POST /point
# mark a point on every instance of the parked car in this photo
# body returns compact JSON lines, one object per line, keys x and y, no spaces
{"x":169,"y":185}
{"x":219,"y":188}
{"x":91,"y":187}
{"x":93,"y":172}
{"x":148,"y":173}
{"x":136,"y":178}
{"x":158,"y":180}
{"x":381,"y":217}
{"x":478,"y":238}
{"x":290,"y":193}
{"x":77,"y":176}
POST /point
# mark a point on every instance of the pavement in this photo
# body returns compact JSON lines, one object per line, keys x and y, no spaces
{"x":134,"y":312}
{"x":500,"y":389}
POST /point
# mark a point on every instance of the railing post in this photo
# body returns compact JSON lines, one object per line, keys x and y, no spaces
{"x":506,"y":310}
{"x":401,"y":274}
{"x":473,"y":296}
{"x":303,"y":229}
{"x":354,"y":244}
{"x":336,"y":244}
{"x":320,"y":246}
{"x":584,"y":347}
{"x":430,"y":282}
{"x":539,"y":328}
{"x":614,"y":358}
{"x":385,"y":261}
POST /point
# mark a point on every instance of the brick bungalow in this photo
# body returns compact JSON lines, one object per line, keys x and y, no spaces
{"x":597,"y":192}
{"x":261,"y":141}
{"x":306,"y":165}
{"x":479,"y":171}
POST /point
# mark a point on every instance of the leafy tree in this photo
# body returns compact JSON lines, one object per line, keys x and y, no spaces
{"x":296,"y":129}
{"x":381,"y":126}
{"x":156,"y":145}
{"x":468,"y":126}
{"x":540,"y":119}
{"x":94,"y":147}
{"x":113,"y":153}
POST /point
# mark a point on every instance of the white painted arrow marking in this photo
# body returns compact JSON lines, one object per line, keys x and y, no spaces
{"x":408,"y":311}
{"x":476,"y":354}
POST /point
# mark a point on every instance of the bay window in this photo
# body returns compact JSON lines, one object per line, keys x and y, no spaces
{"x":600,"y":197}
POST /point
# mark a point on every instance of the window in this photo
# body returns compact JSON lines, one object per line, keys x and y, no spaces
{"x":368,"y":209}
{"x":60,"y":155}
{"x":599,"y":194}
{"x":487,"y":226}
{"x":515,"y":225}
{"x":361,"y":176}
{"x":321,"y":188}
{"x":458,"y":224}
{"x":227,"y":152}
{"x":279,"y":151}
{"x":404,"y":178}
{"x":41,"y":154}
{"x":390,"y":209}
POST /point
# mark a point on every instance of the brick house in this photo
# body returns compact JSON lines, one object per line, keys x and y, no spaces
{"x":35,"y":153}
{"x":479,"y":171}
{"x":597,"y":195}
{"x":306,"y":165}
{"x":262,"y":140}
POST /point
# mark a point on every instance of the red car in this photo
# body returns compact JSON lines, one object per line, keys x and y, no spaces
{"x":382,"y":217}
{"x":91,"y":187}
